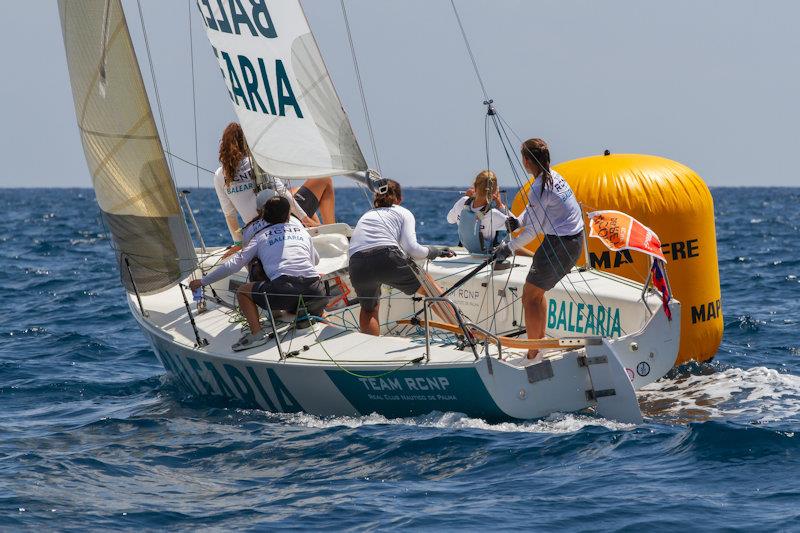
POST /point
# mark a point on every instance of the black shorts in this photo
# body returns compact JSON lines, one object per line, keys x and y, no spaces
{"x":387,"y":265}
{"x":284,"y":294}
{"x":553,"y":260}
{"x":307,"y":200}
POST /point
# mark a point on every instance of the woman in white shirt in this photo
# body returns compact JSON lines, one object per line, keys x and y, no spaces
{"x":288,"y":257}
{"x":382,"y":251}
{"x":480,"y":214}
{"x":553,"y":210}
{"x":236,"y":188}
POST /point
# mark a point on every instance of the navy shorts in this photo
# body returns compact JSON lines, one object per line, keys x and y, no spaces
{"x":387,"y":265}
{"x":553,"y":260}
{"x":307,"y":200}
{"x":285,"y":292}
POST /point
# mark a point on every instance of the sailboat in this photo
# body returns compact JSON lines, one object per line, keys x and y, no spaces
{"x":607,"y":335}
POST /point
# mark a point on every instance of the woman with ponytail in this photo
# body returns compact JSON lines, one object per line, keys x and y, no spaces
{"x":235,"y":184}
{"x":382,"y":251}
{"x":552,"y":210}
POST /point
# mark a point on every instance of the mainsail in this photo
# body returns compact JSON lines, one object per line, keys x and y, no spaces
{"x":123,"y":151}
{"x":280,"y":88}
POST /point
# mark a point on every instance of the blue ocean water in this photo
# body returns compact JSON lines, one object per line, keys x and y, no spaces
{"x":93,"y":436}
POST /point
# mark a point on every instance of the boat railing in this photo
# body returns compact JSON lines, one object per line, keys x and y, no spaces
{"x":466,"y":327}
{"x":487,"y":336}
{"x":648,"y":283}
{"x":184,"y":195}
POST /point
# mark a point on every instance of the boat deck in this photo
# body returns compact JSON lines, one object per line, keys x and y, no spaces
{"x":322,"y":344}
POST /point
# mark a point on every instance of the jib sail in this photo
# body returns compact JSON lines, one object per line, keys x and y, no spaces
{"x":280,"y":89}
{"x":129,"y":172}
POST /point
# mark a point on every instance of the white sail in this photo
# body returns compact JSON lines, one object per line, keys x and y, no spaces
{"x":280,"y":88}
{"x":129,"y":172}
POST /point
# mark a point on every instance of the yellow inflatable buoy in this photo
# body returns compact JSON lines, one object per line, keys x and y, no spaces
{"x":674,"y":202}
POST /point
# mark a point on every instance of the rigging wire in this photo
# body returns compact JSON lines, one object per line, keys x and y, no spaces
{"x":361,"y":92}
{"x":486,"y":140}
{"x":503,"y":136}
{"x":371,"y":132}
{"x":469,"y":51}
{"x":506,"y":124}
{"x":191,"y":163}
{"x":588,"y":286}
{"x":506,"y":142}
{"x":155,"y":90}
{"x":194,"y":95}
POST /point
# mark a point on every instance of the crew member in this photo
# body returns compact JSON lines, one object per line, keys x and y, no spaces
{"x":479,"y":214}
{"x":289,"y":260}
{"x":236,"y":188}
{"x":382,"y":251}
{"x":255,"y":270}
{"x":553,"y":210}
{"x":258,"y":223}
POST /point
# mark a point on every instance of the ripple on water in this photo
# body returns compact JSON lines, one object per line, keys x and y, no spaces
{"x":94,"y":437}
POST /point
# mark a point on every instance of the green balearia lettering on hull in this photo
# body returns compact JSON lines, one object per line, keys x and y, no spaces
{"x":578,"y":317}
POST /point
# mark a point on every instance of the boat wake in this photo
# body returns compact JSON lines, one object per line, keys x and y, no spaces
{"x":755,"y":395}
{"x":556,"y":423}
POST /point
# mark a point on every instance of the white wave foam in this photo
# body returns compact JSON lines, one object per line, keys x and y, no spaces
{"x":759,"y":394}
{"x":557,"y":423}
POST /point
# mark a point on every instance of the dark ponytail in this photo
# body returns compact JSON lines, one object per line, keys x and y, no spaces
{"x":392,"y":196}
{"x":537,"y":153}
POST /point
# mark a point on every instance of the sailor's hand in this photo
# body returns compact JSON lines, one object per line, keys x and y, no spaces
{"x":309,"y":222}
{"x":497,"y":200}
{"x":512,"y":224}
{"x":470,"y":192}
{"x":446,"y":252}
{"x":502,"y":252}
{"x":439,"y":251}
{"x":195,"y":284}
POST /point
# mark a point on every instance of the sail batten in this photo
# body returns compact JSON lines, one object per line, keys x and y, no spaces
{"x":129,"y":171}
{"x":281,"y":90}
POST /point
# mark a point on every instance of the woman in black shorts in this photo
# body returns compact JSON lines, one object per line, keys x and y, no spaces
{"x":382,"y":251}
{"x":551,"y":210}
{"x":317,"y":194}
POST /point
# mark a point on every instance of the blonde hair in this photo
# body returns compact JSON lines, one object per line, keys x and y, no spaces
{"x":486,"y":181}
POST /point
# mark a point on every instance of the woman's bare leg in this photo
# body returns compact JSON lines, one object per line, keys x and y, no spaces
{"x":369,"y":322}
{"x":535,"y":312}
{"x":248,"y":307}
{"x":322,"y":188}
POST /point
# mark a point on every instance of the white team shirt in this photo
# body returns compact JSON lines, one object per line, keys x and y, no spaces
{"x":240,"y":195}
{"x":284,"y":249}
{"x":387,"y":226}
{"x":553,"y":212}
{"x":493,"y":221}
{"x":252,"y":228}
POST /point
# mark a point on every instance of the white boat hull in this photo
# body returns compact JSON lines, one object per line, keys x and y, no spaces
{"x":332,"y":369}
{"x":562,"y":383}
